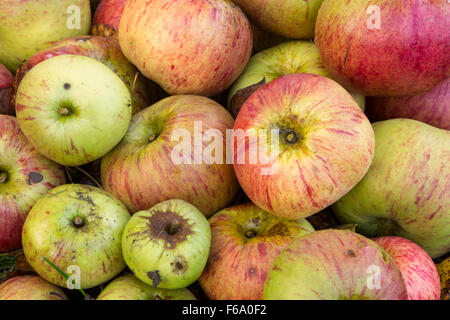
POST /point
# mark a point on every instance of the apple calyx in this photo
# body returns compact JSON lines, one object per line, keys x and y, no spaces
{"x":78,"y":222}
{"x":290,"y":136}
{"x":250,"y":234}
{"x":64,"y":112}
{"x":152,"y":138}
{"x":3,"y":177}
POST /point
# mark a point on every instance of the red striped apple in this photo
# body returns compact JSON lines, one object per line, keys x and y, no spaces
{"x":186,"y":46}
{"x":431,"y":107}
{"x":384,"y":47}
{"x":6,"y":91}
{"x":30,"y":288}
{"x":334,"y":265}
{"x":245,"y":243}
{"x":406,"y":191}
{"x":107,"y":17}
{"x":324,"y":147}
{"x":418,"y":270}
{"x":25,"y":176}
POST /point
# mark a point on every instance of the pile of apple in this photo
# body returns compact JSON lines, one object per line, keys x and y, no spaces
{"x":133,"y":164}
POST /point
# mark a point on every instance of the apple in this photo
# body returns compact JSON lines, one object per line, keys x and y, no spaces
{"x":334,"y":265}
{"x":30,"y":288}
{"x":289,"y":18}
{"x":383,"y":47}
{"x":107,"y":17}
{"x":286,"y":58}
{"x":106,"y":51}
{"x":187,"y":46}
{"x":443,"y":268}
{"x":25,"y":176}
{"x":418,"y":270}
{"x":73,"y":109}
{"x":79,"y":229}
{"x":245,"y":243}
{"x":6,"y":83}
{"x":168,"y":153}
{"x":432,"y":107}
{"x":128,"y":287}
{"x":167,"y":246}
{"x":29,"y":26}
{"x":323,"y":147}
{"x":406,"y":190}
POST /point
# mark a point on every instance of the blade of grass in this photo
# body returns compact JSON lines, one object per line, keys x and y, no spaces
{"x":65,"y":275}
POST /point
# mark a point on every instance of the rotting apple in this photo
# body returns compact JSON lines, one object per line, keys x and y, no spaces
{"x":107,"y":51}
{"x":245,"y":243}
{"x":175,"y":149}
{"x":286,"y":58}
{"x":334,"y":265}
{"x":128,"y":287}
{"x":73,"y":109}
{"x":431,"y":107}
{"x":187,"y":46}
{"x":25,"y":175}
{"x":323,"y":147}
{"x":79,"y":229}
{"x":443,"y":268}
{"x":30,"y":288}
{"x":107,"y":17}
{"x":167,"y":246}
{"x":6,"y":91}
{"x":418,"y":270}
{"x":406,"y":191}
{"x":384,"y":47}
{"x":289,"y":18}
{"x":29,"y":26}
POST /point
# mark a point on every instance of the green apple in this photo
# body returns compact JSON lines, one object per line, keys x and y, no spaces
{"x":334,"y":265}
{"x":29,"y":26}
{"x":30,"y":288}
{"x":167,"y":246}
{"x":128,"y":287}
{"x":286,"y":58}
{"x":79,"y":229}
{"x":406,"y":191}
{"x":73,"y":109}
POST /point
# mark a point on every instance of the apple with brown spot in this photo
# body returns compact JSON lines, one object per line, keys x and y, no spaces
{"x":30,"y":288}
{"x":245,"y":243}
{"x":107,"y":17}
{"x":25,"y":176}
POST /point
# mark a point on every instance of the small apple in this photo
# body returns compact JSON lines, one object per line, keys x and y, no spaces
{"x":186,"y":46}
{"x":288,"y":18}
{"x":79,"y":229}
{"x":107,"y":17}
{"x":385,"y":48}
{"x":167,"y":246}
{"x":406,"y":191}
{"x":323,"y":147}
{"x":245,"y":242}
{"x":431,"y":107}
{"x":168,"y":153}
{"x":106,"y":51}
{"x":30,"y":288}
{"x":73,"y":109}
{"x":25,"y":176}
{"x":334,"y":265}
{"x":29,"y":26}
{"x":6,"y":84}
{"x":418,"y":270}
{"x":286,"y":58}
{"x":128,"y":287}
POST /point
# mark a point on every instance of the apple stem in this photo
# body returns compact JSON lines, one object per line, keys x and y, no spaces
{"x":152,"y":138}
{"x":250,"y":234}
{"x":63,"y":111}
{"x":3,"y":177}
{"x":78,"y":221}
{"x":291,"y":136}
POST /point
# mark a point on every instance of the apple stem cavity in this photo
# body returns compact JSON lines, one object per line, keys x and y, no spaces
{"x":78,"y":222}
{"x":3,"y":177}
{"x":63,"y":111}
{"x":152,"y":138}
{"x":172,"y":228}
{"x":250,"y":234}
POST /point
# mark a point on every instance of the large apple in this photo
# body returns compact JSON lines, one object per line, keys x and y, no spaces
{"x":432,"y":107}
{"x":245,"y":243}
{"x":167,"y":246}
{"x":79,"y":229}
{"x":324,"y":146}
{"x":73,"y":109}
{"x":384,"y":47}
{"x":6,"y":84}
{"x":168,"y":153}
{"x":334,"y":265}
{"x":406,"y":191}
{"x":187,"y":46}
{"x":30,"y":288}
{"x":418,"y":270}
{"x":288,"y":18}
{"x":107,"y":17}
{"x":128,"y":287}
{"x":29,"y":26}
{"x":25,"y":176}
{"x":106,"y":51}
{"x":268,"y":65}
